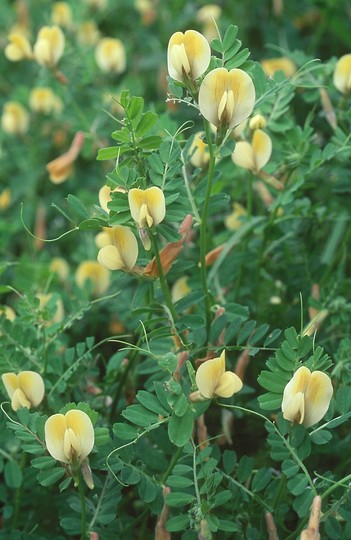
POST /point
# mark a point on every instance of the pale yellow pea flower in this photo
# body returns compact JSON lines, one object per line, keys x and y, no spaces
{"x":5,"y":199}
{"x":271,"y":65}
{"x":233,"y":222}
{"x":258,"y":122}
{"x":180,"y":288}
{"x":19,"y":48}
{"x":253,"y":156}
{"x":9,"y":313}
{"x":342,"y":74}
{"x":88,"y":33}
{"x":121,"y":251}
{"x":14,"y":119}
{"x":60,"y":267}
{"x":226,"y":98}
{"x":25,"y":389}
{"x":198,"y":151}
{"x":110,"y":55}
{"x":44,"y":100}
{"x":306,"y":397}
{"x":69,"y":437}
{"x":59,"y":313}
{"x":49,"y":46}
{"x":188,"y":55}
{"x":61,"y":14}
{"x":147,"y":207}
{"x":214,"y":381}
{"x":208,"y":15}
{"x":105,"y":196}
{"x":97,"y":274}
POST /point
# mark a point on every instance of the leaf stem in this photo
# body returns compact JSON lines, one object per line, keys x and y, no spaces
{"x":83,"y":506}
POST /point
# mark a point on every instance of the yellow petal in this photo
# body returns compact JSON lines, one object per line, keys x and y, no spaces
{"x":262,"y":148}
{"x":110,"y":257}
{"x":110,"y":55}
{"x":272,"y":65}
{"x":209,"y":374}
{"x":136,"y":199}
{"x":55,"y":428}
{"x":226,"y":97}
{"x":243,"y":155}
{"x":49,"y":46}
{"x":293,"y":407}
{"x":155,"y":201}
{"x":317,"y":397}
{"x":228,"y":384}
{"x":32,"y":385}
{"x":80,"y":423}
{"x":342,"y":74}
{"x":127,"y":245}
{"x":188,"y":54}
{"x":19,"y":400}
{"x":10,"y":382}
{"x":18,"y":48}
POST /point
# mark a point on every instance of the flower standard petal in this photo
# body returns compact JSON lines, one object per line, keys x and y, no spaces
{"x":210,"y":94}
{"x":156,"y":204}
{"x":342,"y":74}
{"x":244,"y":96}
{"x":261,"y":148}
{"x":10,"y":382}
{"x":188,"y":55}
{"x":136,"y":199}
{"x":208,"y":375}
{"x":243,"y":155}
{"x":317,"y":397}
{"x":80,"y":423}
{"x":55,"y":428}
{"x":32,"y":385}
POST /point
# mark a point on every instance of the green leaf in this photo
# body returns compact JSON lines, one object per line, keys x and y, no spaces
{"x":50,"y":476}
{"x":217,"y":45}
{"x":92,"y":224}
{"x":135,"y":107}
{"x":181,"y":405}
{"x":343,"y":399}
{"x":229,"y":36}
{"x":321,"y":436}
{"x":178,"y":523}
{"x":140,"y":416}
{"x":44,"y":462}
{"x":225,"y":525}
{"x":150,"y":143}
{"x":229,"y":459}
{"x":147,"y":490}
{"x":290,"y":468}
{"x":13,"y":474}
{"x":102,"y":436}
{"x":297,"y":484}
{"x":108,"y":153}
{"x":261,"y":479}
{"x":151,"y":402}
{"x":271,"y":381}
{"x":180,"y":428}
{"x":178,"y":500}
{"x":270,"y":401}
{"x":77,"y":207}
{"x":148,"y":120}
{"x":179,"y":482}
{"x":245,"y":467}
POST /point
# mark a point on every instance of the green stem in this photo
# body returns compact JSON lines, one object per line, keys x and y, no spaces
{"x":122,"y":381}
{"x":249,"y":195}
{"x":83,"y":506}
{"x":203,"y":224}
{"x":18,"y":495}
{"x":172,"y":464}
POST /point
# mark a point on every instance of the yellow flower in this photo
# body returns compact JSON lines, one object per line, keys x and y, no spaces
{"x":105,"y":196}
{"x":5,"y":199}
{"x":226,"y":98}
{"x":110,"y":55}
{"x":9,"y":313}
{"x":188,"y":55}
{"x":272,"y":65}
{"x":59,"y":313}
{"x":88,"y":33}
{"x":121,"y":251}
{"x":257,"y":122}
{"x":14,"y":119}
{"x":44,"y":100}
{"x":180,"y":289}
{"x":233,"y":221}
{"x":342,"y":74}
{"x":25,"y":389}
{"x":198,"y":151}
{"x":49,"y":46}
{"x":148,"y":207}
{"x":307,"y":397}
{"x":19,"y":47}
{"x":69,"y":437}
{"x":97,"y":274}
{"x":212,"y":379}
{"x":253,"y":156}
{"x":60,"y":267}
{"x":61,"y":14}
